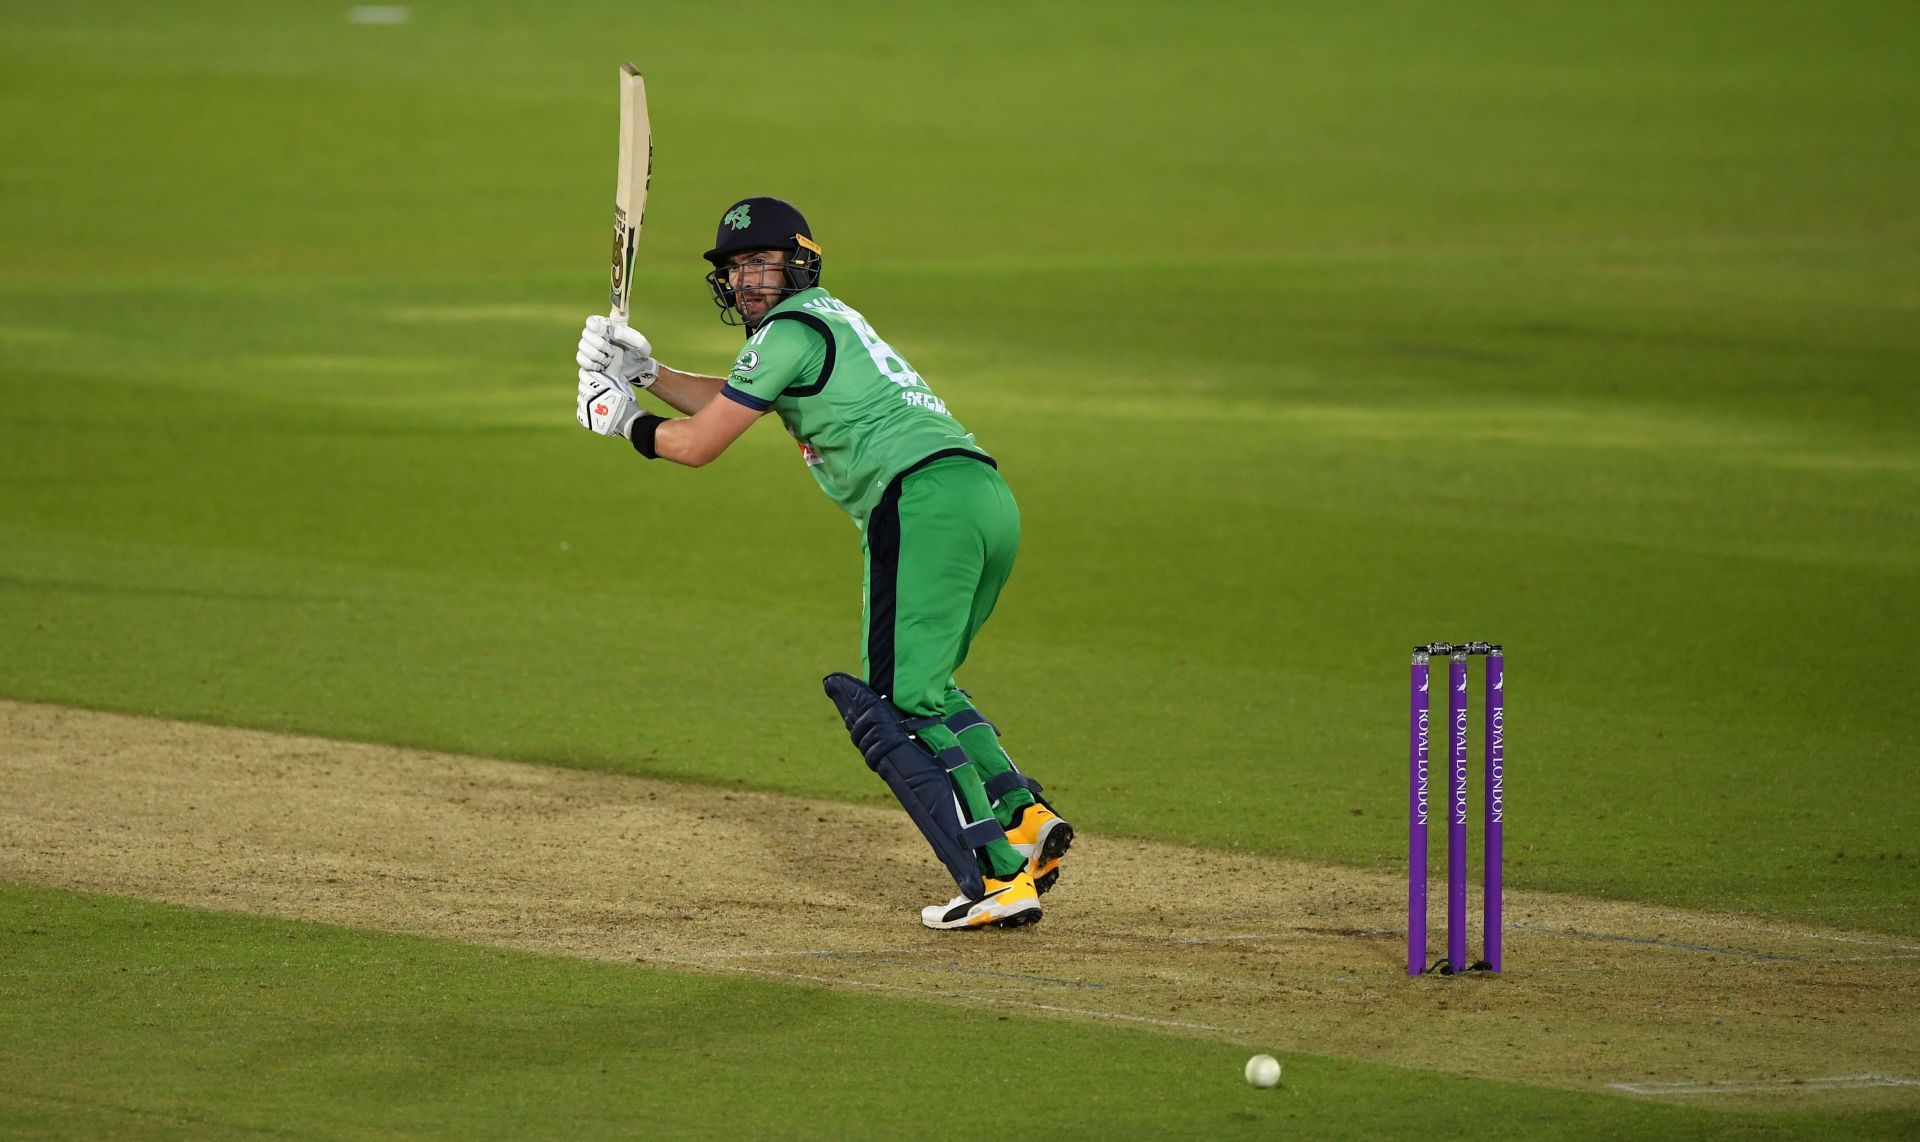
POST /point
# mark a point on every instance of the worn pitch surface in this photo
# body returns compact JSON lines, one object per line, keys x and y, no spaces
{"x":1287,"y":955}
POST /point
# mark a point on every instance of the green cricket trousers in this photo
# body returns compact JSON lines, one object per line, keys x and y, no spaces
{"x":939,"y":547}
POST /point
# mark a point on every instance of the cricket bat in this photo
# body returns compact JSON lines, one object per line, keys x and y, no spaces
{"x":630,"y":189}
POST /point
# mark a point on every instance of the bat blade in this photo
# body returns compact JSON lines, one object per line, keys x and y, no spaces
{"x":630,"y":189}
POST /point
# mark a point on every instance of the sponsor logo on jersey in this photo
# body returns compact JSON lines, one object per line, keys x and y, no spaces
{"x":739,"y":217}
{"x":808,"y":454}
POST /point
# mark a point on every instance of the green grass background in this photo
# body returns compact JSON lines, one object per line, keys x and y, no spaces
{"x":1302,"y":332}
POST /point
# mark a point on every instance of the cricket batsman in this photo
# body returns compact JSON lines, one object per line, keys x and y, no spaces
{"x":939,"y":531}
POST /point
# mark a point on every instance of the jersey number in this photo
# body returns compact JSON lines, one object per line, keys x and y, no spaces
{"x":891,"y":364}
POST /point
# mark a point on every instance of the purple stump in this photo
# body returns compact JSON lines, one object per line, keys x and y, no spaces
{"x":1457,"y":813}
{"x":1417,"y":734}
{"x":1496,"y":805}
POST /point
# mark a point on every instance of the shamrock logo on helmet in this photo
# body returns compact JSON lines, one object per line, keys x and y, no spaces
{"x":738,"y":217}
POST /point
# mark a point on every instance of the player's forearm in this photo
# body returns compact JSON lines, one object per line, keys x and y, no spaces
{"x":686,"y":392}
{"x":683,"y":442}
{"x":694,"y":440}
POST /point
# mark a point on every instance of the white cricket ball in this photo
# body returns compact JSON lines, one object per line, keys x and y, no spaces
{"x":1263,"y":1071}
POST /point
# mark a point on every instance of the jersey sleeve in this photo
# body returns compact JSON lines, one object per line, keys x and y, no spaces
{"x":782,"y":353}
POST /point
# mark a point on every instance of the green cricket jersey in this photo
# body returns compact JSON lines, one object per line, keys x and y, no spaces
{"x":861,"y":414}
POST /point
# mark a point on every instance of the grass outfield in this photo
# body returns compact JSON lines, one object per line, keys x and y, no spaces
{"x":1301,"y":334}
{"x":229,"y":1027}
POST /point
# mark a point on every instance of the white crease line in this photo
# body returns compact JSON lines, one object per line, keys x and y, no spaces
{"x":1709,"y":949}
{"x":913,"y":959}
{"x":1801,"y":935}
{"x":1804,"y":961}
{"x":805,"y":952}
{"x":842,"y":981}
{"x":1221,"y":939}
{"x":1117,"y":1015}
{"x":1765,"y":1086}
{"x":1653,"y":942}
{"x":1287,"y":933}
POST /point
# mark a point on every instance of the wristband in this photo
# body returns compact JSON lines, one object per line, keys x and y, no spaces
{"x":641,"y":434}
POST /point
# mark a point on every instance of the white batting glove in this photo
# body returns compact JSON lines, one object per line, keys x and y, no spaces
{"x":606,"y":404}
{"x":607,"y":347}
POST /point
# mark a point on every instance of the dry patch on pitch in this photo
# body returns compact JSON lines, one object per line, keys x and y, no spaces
{"x":1711,"y":1009}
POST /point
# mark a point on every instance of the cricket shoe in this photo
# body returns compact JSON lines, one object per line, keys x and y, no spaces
{"x":1006,"y":903}
{"x":1043,"y":838}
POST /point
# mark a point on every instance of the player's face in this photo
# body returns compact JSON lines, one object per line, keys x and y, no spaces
{"x":757,"y":280}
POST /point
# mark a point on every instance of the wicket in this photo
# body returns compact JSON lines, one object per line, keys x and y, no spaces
{"x":1494,"y":817}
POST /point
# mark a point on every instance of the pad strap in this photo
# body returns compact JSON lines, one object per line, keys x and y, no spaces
{"x":977,"y":834}
{"x":953,"y":758}
{"x":999,"y":785}
{"x":967,"y":719}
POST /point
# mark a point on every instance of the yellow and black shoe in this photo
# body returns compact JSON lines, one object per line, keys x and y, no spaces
{"x":1043,"y":838}
{"x":1007,"y":903}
